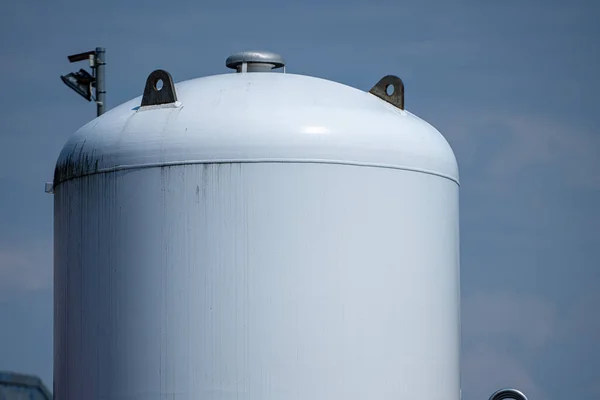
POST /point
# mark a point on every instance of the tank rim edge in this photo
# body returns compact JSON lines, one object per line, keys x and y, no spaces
{"x":72,"y":176}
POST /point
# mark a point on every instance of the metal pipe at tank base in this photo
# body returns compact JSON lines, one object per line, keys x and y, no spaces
{"x":505,"y":394}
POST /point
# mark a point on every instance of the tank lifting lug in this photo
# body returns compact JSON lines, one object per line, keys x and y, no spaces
{"x":159,"y":89}
{"x":391,"y":89}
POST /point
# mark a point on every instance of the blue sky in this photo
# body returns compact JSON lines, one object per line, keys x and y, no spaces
{"x":513,"y":86}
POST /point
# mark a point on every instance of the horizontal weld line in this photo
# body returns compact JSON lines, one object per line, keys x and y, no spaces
{"x":258,"y":161}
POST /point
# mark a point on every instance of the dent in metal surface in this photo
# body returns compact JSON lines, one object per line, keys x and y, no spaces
{"x":154,"y":93}
{"x":396,"y":96}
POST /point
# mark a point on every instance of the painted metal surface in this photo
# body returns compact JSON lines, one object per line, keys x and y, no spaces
{"x":255,"y":61}
{"x":100,"y":67}
{"x":238,"y":245}
{"x":159,"y":89}
{"x":390,"y":88}
{"x":505,"y":394}
{"x":257,"y":281}
{"x":256,"y":117}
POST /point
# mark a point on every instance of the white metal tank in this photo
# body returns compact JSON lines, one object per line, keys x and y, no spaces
{"x":257,"y":235}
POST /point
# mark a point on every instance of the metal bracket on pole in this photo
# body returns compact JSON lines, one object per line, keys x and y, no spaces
{"x":82,"y":82}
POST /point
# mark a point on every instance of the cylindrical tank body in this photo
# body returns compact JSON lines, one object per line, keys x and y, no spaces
{"x":266,"y":236}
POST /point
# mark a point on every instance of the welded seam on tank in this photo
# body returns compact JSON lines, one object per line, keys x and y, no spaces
{"x":257,"y":161}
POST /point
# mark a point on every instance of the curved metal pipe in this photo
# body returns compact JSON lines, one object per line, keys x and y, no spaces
{"x":504,"y":394}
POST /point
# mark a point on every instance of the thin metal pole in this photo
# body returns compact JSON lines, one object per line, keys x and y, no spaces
{"x":100,"y":88}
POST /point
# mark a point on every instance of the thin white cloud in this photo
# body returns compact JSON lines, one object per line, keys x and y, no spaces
{"x":502,"y":315}
{"x":530,"y":145}
{"x":569,"y":151}
{"x":581,"y":321}
{"x":504,"y":330}
{"x":25,"y":269}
